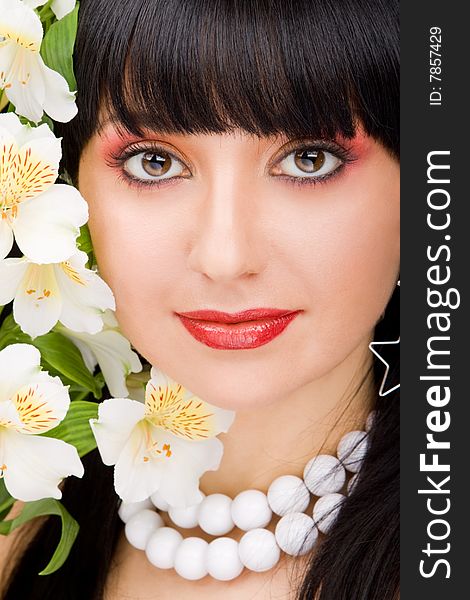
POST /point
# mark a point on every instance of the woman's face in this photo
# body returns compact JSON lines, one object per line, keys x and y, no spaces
{"x":225,"y":222}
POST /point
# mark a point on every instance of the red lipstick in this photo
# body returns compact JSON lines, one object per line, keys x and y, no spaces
{"x":235,"y":331}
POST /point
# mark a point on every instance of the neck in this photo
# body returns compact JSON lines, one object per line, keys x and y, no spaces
{"x":266,"y":442}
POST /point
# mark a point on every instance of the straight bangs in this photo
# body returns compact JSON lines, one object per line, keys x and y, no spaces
{"x":268,"y":67}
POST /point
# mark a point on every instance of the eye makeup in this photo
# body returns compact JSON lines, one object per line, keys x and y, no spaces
{"x":117,"y":152}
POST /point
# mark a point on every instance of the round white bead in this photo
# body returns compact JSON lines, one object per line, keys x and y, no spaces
{"x":296,"y":533}
{"x":370,"y":420}
{"x":191,"y":558}
{"x":140,"y":527}
{"x":161,"y":547}
{"x":352,"y":482}
{"x":159,"y":502}
{"x":352,"y":450}
{"x":288,"y":494}
{"x":223,"y":561}
{"x":214,"y":514}
{"x":186,"y":517}
{"x":324,"y":474}
{"x":326,"y":510}
{"x":250,"y":510}
{"x":126,"y":511}
{"x":258,"y":550}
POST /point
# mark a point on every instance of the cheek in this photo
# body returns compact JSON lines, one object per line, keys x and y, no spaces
{"x":350,"y":260}
{"x":124,"y":228}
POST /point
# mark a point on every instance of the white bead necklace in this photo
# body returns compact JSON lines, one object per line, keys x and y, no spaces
{"x":251,"y":511}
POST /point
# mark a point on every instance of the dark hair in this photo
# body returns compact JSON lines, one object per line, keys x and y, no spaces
{"x":271,"y":66}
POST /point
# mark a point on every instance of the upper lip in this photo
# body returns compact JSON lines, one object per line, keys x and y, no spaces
{"x":251,"y":314}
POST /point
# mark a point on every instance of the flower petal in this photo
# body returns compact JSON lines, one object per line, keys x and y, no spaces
{"x":170,"y":406}
{"x":84,"y":295}
{"x":62,"y":7}
{"x":6,"y":237}
{"x":116,"y":360}
{"x":59,"y":102}
{"x":20,"y":24}
{"x":114,"y":354}
{"x":25,"y":85}
{"x":117,"y":418}
{"x":136,"y":477}
{"x":88,"y":357}
{"x":35,"y":465}
{"x":9,"y":417}
{"x":190,"y":460}
{"x":38,"y":301}
{"x":47,"y":226}
{"x":10,"y":125}
{"x":34,"y":3}
{"x":12,"y":271}
{"x":36,"y":168}
{"x":42,"y":404}
{"x":19,"y":364}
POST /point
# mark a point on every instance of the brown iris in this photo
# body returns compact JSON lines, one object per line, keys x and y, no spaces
{"x":309,"y":160}
{"x":156,"y":164}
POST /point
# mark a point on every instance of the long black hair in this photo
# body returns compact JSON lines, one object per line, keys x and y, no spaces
{"x":291,"y":67}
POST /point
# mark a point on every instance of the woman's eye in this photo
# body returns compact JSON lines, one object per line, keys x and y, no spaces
{"x":152,"y":165}
{"x":309,"y":162}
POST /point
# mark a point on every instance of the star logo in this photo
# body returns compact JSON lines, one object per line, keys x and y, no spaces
{"x":387,"y":366}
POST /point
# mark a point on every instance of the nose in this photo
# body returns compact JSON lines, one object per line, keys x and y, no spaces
{"x":228,"y":241}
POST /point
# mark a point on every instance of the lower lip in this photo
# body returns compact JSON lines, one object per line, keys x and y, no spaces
{"x":237,"y":336}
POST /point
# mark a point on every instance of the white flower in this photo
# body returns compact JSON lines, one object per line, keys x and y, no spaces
{"x":59,"y":7}
{"x":31,"y":403}
{"x":28,"y":83}
{"x":44,"y":294}
{"x":111,"y":350}
{"x":44,"y":217}
{"x":165,"y":444}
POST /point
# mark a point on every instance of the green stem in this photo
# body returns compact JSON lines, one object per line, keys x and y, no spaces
{"x":3,"y":100}
{"x":45,"y":9}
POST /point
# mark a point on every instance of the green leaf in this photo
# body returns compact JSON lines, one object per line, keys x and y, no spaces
{"x":85,"y":244}
{"x":77,"y":393}
{"x":48,"y":121}
{"x":6,"y":500}
{"x":59,"y":356}
{"x":57,"y":46}
{"x":64,"y":357}
{"x":75,"y":428}
{"x":10,"y":333}
{"x":40,"y":508}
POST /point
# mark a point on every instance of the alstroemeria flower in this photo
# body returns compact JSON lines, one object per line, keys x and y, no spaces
{"x":111,"y":350}
{"x":164,"y":444}
{"x":44,"y":294}
{"x":29,"y":84}
{"x":59,"y":7}
{"x":44,"y":217}
{"x":31,"y":403}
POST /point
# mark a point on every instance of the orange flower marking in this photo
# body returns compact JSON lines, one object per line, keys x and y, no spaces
{"x":153,"y":449}
{"x":166,"y":447}
{"x":45,"y":294}
{"x":187,"y":418}
{"x":22,"y":176}
{"x":72,"y":273}
{"x":24,"y":43}
{"x":3,"y":468}
{"x":35,"y":413}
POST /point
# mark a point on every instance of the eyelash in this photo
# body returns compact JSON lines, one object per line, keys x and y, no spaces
{"x":118,"y":160}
